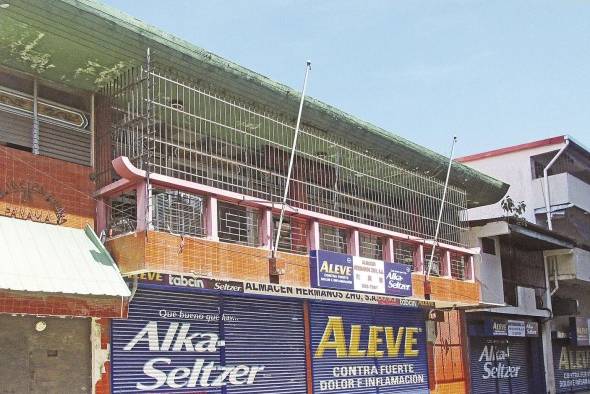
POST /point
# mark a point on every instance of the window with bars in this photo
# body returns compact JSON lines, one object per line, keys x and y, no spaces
{"x":370,"y":246}
{"x":293,"y":238}
{"x":403,"y":252}
{"x":237,"y":224}
{"x":333,"y":239}
{"x":436,"y":259}
{"x":458,"y":266}
{"x":123,"y":214}
{"x":178,"y":212}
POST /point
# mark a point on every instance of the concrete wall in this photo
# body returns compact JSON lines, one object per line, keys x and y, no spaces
{"x":56,"y":360}
{"x":514,"y":169}
{"x":563,"y":189}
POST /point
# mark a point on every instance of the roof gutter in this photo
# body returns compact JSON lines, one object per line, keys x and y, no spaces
{"x":546,"y":195}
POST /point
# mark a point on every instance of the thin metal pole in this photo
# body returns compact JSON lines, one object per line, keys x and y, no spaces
{"x":442,"y":205}
{"x":276,"y":244}
{"x":35,"y":117}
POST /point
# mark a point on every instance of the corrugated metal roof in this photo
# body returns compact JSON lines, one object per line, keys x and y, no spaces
{"x":40,"y":257}
{"x":40,"y":36}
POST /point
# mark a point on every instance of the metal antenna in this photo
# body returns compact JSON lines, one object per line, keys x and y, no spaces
{"x":276,"y":244}
{"x":442,"y":205}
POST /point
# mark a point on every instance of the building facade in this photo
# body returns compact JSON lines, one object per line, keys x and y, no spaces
{"x":183,"y":160}
{"x":551,"y":178}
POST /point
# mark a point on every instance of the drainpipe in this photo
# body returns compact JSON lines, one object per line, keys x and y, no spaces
{"x":546,"y":182}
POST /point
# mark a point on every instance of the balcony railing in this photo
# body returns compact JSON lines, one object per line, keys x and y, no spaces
{"x":180,"y":129}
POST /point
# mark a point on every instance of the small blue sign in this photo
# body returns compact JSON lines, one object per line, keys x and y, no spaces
{"x":398,"y":279}
{"x":331,"y":270}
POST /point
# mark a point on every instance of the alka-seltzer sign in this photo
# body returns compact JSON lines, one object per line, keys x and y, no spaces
{"x":179,"y":339}
{"x":571,"y":361}
{"x":511,"y":328}
{"x":354,"y":273}
{"x":370,"y":350}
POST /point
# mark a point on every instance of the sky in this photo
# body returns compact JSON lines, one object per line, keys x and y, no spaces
{"x":493,"y":73}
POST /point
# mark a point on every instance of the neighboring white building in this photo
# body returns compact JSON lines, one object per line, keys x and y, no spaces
{"x":547,"y":175}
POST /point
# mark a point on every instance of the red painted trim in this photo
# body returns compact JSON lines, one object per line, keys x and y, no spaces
{"x":114,"y":188}
{"x":511,"y":149}
{"x":126,"y":169}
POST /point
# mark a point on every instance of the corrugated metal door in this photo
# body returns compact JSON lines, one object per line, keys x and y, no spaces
{"x":268,"y":333}
{"x":189,"y":342}
{"x":356,"y":371}
{"x":499,"y":365}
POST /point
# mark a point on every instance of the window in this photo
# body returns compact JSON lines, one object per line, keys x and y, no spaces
{"x":370,"y":246}
{"x":403,"y":252}
{"x":237,"y":224}
{"x":333,"y":239}
{"x":293,"y":238}
{"x":178,"y":212}
{"x":458,"y":266}
{"x":488,"y":246}
{"x":123,"y":214}
{"x":435,"y":269}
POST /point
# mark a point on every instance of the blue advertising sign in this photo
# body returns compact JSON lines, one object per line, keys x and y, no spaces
{"x":398,"y":279}
{"x":345,"y":272}
{"x":572,"y":367}
{"x":195,"y":343}
{"x":373,"y":349}
{"x":331,"y":270}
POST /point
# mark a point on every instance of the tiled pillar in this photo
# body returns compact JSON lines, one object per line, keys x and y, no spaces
{"x":469,"y":268}
{"x":419,"y":259}
{"x":314,"y":235}
{"x":101,"y":215}
{"x":266,"y":229}
{"x":445,"y":269}
{"x":353,"y":242}
{"x":211,"y":219}
{"x":143,"y":206}
{"x":388,"y":249}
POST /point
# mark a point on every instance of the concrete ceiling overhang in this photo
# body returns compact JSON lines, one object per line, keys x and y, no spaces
{"x":84,"y":44}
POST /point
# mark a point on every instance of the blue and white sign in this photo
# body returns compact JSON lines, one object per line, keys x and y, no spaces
{"x":190,"y":342}
{"x":345,"y":272}
{"x":374,"y":349}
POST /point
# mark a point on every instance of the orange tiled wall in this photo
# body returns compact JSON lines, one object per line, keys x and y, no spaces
{"x":168,"y":252}
{"x":446,"y":289}
{"x":52,"y":183}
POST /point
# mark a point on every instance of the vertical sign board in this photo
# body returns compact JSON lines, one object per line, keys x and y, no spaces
{"x":368,"y":349}
{"x":194,"y":343}
{"x":345,"y":272}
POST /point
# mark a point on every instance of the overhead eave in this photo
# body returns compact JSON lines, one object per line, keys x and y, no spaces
{"x":83,"y":44}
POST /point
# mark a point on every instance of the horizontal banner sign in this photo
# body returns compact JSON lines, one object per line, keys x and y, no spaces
{"x":270,"y":289}
{"x":572,"y":367}
{"x":354,"y":273}
{"x":511,"y":328}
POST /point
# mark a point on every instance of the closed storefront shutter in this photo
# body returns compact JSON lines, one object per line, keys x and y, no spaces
{"x":268,"y":333}
{"x":368,"y":349}
{"x":190,"y":342}
{"x":572,"y":366}
{"x":500,"y":365}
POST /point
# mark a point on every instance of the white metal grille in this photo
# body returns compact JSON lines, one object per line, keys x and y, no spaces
{"x":122,"y":214}
{"x":403,"y":252}
{"x":333,"y":239}
{"x":458,"y":265}
{"x":178,"y":212}
{"x":237,"y":224}
{"x":180,"y":129}
{"x":293,"y":238}
{"x":436,"y":259}
{"x":370,"y":246}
